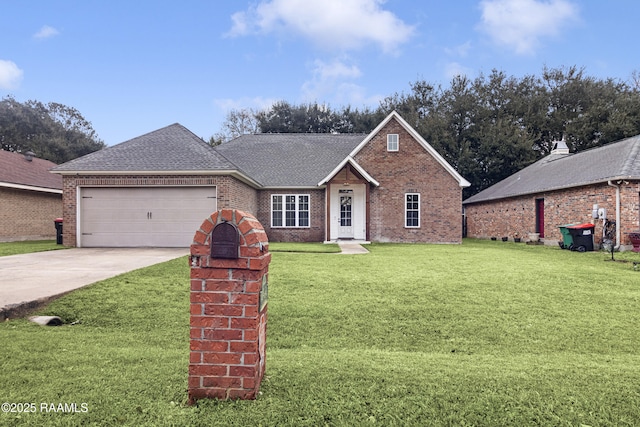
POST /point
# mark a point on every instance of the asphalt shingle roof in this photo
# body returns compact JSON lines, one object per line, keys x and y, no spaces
{"x":172,"y":148}
{"x":289,"y":160}
{"x":16,"y":169}
{"x":619,"y":160}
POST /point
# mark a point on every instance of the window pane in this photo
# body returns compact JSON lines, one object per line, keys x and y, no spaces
{"x":276,"y":219}
{"x":392,"y":142}
{"x":303,"y":211}
{"x":412,"y":219}
{"x":290,"y":219}
{"x":276,"y":211}
{"x":412,"y":210}
{"x":303,"y":203}
{"x":277,"y":203}
{"x":290,"y":211}
{"x":345,"y":211}
{"x":303,"y":221}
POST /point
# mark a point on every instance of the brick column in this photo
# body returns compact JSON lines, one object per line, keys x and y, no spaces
{"x":228,"y":308}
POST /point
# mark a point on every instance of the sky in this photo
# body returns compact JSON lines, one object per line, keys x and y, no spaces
{"x":131,"y":67}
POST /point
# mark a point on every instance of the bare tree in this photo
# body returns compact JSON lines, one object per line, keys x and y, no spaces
{"x":237,"y":122}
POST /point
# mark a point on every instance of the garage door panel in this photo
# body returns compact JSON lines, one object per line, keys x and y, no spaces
{"x":98,"y":215}
{"x":168,"y":228}
{"x":144,"y":216}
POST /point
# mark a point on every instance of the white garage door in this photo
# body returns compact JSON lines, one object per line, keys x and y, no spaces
{"x":134,"y":217}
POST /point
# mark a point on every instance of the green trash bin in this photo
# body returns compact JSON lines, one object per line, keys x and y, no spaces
{"x":567,"y":239}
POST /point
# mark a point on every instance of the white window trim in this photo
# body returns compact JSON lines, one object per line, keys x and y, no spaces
{"x":297,"y":211}
{"x":393,"y":145}
{"x":406,"y":210}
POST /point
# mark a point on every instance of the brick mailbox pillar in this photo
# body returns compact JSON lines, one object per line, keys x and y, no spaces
{"x":229,"y":276}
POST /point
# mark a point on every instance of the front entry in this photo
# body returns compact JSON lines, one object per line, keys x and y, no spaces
{"x":348,"y":212}
{"x":345,"y":229}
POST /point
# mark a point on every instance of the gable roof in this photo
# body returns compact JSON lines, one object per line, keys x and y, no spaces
{"x":415,"y":135}
{"x":172,"y":149}
{"x":290,"y":159}
{"x":18,"y":172}
{"x":612,"y":162}
{"x":295,"y":160}
{"x":356,"y":166}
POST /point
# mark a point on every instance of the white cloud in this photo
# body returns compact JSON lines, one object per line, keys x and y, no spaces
{"x":335,"y":70}
{"x":332,"y":24}
{"x":228,"y":104}
{"x":520,"y":24}
{"x":10,"y":75}
{"x":334,"y":82}
{"x":455,"y":69}
{"x":46,"y":32}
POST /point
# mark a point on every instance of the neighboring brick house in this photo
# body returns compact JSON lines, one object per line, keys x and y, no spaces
{"x":30,"y":197}
{"x":154,"y":190}
{"x":561,"y":189}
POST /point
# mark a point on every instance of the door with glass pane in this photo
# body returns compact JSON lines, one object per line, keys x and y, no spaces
{"x":345,"y":229}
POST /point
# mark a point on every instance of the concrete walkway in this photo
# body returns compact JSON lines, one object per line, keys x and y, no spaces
{"x":29,"y":281}
{"x":351,"y":248}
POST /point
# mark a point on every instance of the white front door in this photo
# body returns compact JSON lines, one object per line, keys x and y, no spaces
{"x":348,"y":214}
{"x":345,"y":229}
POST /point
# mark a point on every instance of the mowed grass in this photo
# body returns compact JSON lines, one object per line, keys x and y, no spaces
{"x":28,"y":246}
{"x":484,"y":333}
{"x":304,"y":247}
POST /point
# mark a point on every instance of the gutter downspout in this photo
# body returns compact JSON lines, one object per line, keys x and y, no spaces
{"x":617,"y":187}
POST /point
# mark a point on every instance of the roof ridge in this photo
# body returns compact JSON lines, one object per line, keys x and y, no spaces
{"x":615,"y":160}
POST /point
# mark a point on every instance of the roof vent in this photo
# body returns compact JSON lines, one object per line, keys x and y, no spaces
{"x":29,"y":155}
{"x":560,"y":147}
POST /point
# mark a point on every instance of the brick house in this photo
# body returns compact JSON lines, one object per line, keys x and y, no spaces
{"x":560,"y":189}
{"x":154,"y":190}
{"x":30,"y":197}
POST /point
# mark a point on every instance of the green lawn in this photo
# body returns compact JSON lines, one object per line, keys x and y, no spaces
{"x":484,"y":333}
{"x":304,"y":247}
{"x":15,"y":248}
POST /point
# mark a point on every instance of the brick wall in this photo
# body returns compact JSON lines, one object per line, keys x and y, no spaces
{"x":231,"y":193}
{"x":517,"y":214}
{"x":228,"y":323}
{"x":410,"y":170}
{"x":317,"y":215}
{"x":28,"y":215}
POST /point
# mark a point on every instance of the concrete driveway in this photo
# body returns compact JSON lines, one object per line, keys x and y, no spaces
{"x":30,"y":280}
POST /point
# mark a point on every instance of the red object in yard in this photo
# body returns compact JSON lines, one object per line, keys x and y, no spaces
{"x":635,"y":241}
{"x":582,"y":236}
{"x":582,"y":226}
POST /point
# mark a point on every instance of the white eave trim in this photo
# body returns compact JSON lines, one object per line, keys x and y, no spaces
{"x":231,"y":172}
{"x":355,"y":165}
{"x":548,"y":190}
{"x":394,"y":115}
{"x":291,"y":187}
{"x":30,"y":188}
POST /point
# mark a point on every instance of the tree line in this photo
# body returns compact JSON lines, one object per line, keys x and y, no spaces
{"x":52,"y":131}
{"x":487,"y":128}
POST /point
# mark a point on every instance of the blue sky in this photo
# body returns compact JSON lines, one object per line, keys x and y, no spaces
{"x":131,"y":67}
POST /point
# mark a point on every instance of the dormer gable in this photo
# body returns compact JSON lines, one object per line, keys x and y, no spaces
{"x":397,"y":144}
